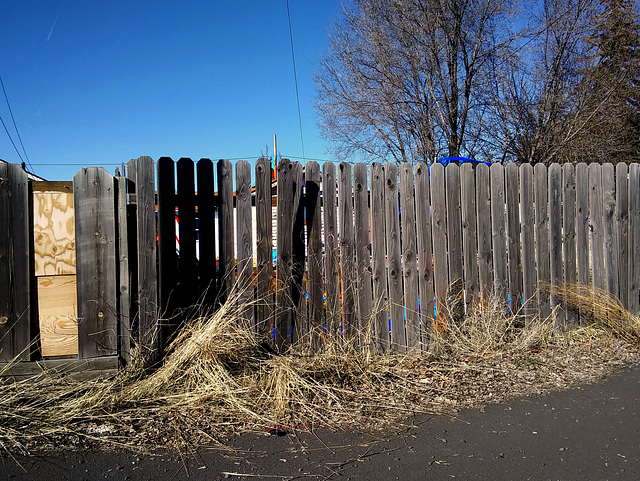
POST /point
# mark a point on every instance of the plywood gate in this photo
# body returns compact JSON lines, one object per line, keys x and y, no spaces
{"x":55,"y":267}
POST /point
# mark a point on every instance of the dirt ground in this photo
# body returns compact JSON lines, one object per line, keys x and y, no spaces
{"x":590,"y":431}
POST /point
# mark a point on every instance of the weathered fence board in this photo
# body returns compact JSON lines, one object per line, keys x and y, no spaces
{"x":96,"y":261}
{"x":596,"y":226}
{"x":454,"y":242}
{"x":394,"y":270}
{"x":498,"y":227}
{"x":264,"y":248}
{"x":555,"y":238}
{"x":425,"y":252}
{"x":409,"y":253}
{"x":569,"y":230}
{"x":527,"y":235}
{"x":622,"y":226}
{"x":362,"y":242}
{"x":124,"y":274}
{"x":634,"y":239}
{"x":167,"y":255}
{"x":207,"y":240}
{"x":348,"y":279}
{"x":378,"y":255}
{"x":542,"y":238}
{"x":244,"y":242}
{"x":298,"y":254}
{"x":314,"y":252}
{"x":610,"y":230}
{"x":469,"y":236}
{"x":513,"y":237}
{"x":485,"y":254}
{"x":187,"y":261}
{"x":582,"y":226}
{"x":329,"y":187}
{"x":439,"y":229}
{"x":284,"y":260}
{"x":226,"y":233}
{"x":15,"y":292}
{"x":141,"y":173}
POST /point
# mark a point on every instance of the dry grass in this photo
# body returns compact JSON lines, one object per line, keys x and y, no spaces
{"x":218,"y":378}
{"x":599,"y":308}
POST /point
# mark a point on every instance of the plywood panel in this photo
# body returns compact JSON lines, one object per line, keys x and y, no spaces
{"x":58,"y":315}
{"x":54,"y":233}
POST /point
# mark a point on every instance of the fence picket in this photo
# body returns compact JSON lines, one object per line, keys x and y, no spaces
{"x":331,"y":249}
{"x":15,"y":297}
{"x":124,"y":274}
{"x":207,"y":241}
{"x":498,"y":223}
{"x":582,"y":226}
{"x":264,"y":248}
{"x":141,"y":171}
{"x":298,"y":253}
{"x":542,"y":238}
{"x":514,"y":271}
{"x":94,"y":199}
{"x":284,"y":260}
{"x":409,"y":253}
{"x":348,"y":279}
{"x":362,"y":242}
{"x":569,"y":230}
{"x":187,"y":273}
{"x":226,"y":256}
{"x":394,"y":271}
{"x":378,"y":257}
{"x":527,"y":219}
{"x":314,"y":249}
{"x":622,"y":226}
{"x":244,"y":242}
{"x":485,"y":257}
{"x":425,"y":253}
{"x":634,"y":239}
{"x":555,"y":238}
{"x":439,"y":231}
{"x":167,"y":255}
{"x":469,"y":236}
{"x":454,"y":241}
{"x":610,"y":231}
{"x":596,"y":225}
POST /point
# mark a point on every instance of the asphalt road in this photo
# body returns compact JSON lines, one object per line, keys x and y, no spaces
{"x":588,"y":433}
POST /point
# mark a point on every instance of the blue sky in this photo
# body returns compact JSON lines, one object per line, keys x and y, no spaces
{"x":98,"y":82}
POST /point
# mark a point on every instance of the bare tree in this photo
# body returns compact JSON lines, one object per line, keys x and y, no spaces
{"x":409,"y":79}
{"x":570,"y":93}
{"x":536,"y":94}
{"x":611,"y":85}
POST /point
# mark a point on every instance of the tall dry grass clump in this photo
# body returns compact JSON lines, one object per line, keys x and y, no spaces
{"x":490,"y":330}
{"x":218,"y":375}
{"x":598,"y":308}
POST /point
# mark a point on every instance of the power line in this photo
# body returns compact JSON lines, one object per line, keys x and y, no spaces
{"x":295,"y":78}
{"x":14,"y":126}
{"x":11,"y":139}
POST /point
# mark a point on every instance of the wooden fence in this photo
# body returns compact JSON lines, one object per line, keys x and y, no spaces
{"x":355,"y":246}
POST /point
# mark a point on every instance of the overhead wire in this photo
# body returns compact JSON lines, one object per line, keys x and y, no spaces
{"x":295,"y":78}
{"x":11,"y":139}
{"x":15,"y":127}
